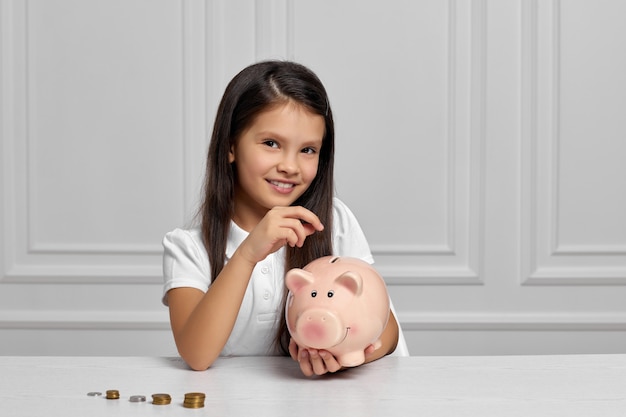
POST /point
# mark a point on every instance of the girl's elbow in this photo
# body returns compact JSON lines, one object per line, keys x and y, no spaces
{"x":200,"y":366}
{"x":197,"y":363}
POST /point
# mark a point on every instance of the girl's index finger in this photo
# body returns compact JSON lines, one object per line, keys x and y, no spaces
{"x":310,"y":229}
{"x":307,"y":217}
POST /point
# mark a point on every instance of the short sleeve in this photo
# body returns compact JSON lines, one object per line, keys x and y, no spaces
{"x":348,"y":237}
{"x":185,"y":261}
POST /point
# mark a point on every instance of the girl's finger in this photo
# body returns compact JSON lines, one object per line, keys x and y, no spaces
{"x":330,"y":362}
{"x":297,"y":232}
{"x":293,"y":349}
{"x":319,"y":367}
{"x":305,"y":216}
{"x":305,"y":362}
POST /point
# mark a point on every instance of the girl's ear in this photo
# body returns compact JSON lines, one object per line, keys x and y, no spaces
{"x":231,"y":154}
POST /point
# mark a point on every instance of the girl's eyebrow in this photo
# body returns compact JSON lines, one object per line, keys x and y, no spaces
{"x":317,"y":142}
{"x":267,"y":134}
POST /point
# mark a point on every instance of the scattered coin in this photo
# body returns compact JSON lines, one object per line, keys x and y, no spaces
{"x":94,"y":394}
{"x":161,"y":399}
{"x":113,"y":394}
{"x":137,"y":398}
{"x":194,"y":400}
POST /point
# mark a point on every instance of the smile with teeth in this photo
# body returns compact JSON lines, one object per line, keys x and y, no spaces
{"x":282,"y":184}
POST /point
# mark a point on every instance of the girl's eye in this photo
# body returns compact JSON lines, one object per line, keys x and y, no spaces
{"x":310,"y":151}
{"x":271,"y":143}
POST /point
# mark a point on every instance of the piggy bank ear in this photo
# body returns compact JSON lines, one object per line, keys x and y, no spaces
{"x":352,"y":281}
{"x":297,"y":278}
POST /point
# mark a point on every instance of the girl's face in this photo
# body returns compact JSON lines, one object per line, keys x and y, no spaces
{"x":276,"y":160}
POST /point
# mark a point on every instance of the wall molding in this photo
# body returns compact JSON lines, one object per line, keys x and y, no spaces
{"x":410,"y":275}
{"x":470,"y":321}
{"x":463,"y":321}
{"x":79,"y":274}
{"x":274,"y":29}
{"x":590,"y":250}
{"x":590,"y":276}
{"x":545,"y":261}
{"x":94,"y":249}
{"x":85,"y":320}
{"x":459,"y":261}
{"x":410,"y":249}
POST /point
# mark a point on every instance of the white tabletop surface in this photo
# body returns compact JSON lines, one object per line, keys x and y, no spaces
{"x":528,"y":386}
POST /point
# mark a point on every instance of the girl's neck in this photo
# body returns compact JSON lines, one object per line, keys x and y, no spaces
{"x":246,"y":218}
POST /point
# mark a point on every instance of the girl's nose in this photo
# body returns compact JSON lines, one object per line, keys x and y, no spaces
{"x":288,"y":165}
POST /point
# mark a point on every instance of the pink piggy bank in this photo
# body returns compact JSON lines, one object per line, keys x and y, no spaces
{"x":338,"y":304}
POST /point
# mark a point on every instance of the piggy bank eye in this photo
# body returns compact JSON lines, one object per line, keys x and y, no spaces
{"x":330,"y":293}
{"x":313,"y":293}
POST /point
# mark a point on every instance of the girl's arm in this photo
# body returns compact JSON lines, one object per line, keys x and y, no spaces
{"x":202,"y":322}
{"x":389,"y":338}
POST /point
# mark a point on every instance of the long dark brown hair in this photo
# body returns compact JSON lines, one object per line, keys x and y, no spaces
{"x":250,"y":92}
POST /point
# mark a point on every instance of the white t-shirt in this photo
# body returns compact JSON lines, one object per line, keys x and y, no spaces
{"x":186,"y":264}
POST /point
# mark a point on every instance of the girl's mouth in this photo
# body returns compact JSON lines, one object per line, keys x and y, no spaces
{"x":282,"y":186}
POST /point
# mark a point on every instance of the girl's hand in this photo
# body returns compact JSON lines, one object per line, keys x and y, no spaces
{"x":279,"y":227}
{"x":313,"y":361}
{"x":317,"y":361}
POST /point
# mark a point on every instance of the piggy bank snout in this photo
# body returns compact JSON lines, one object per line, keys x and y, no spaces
{"x":320,"y":329}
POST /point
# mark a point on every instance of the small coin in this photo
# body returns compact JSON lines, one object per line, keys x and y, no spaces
{"x":188,"y":405}
{"x":94,"y":394}
{"x":193,"y":405}
{"x":137,"y":398}
{"x":113,"y":394}
{"x":195,"y":395}
{"x":161,"y":399}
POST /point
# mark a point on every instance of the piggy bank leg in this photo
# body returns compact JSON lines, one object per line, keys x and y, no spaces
{"x":356,"y":358}
{"x":352,"y":359}
{"x":377,"y":344}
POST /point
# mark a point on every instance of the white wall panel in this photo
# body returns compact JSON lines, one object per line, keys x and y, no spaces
{"x":96,"y":139}
{"x":574,"y":172}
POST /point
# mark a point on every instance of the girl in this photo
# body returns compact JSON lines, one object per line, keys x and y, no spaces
{"x":268,"y":207}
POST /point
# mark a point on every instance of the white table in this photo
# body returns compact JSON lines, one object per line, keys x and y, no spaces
{"x":528,"y":386}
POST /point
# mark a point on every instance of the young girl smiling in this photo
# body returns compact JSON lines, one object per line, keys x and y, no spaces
{"x":268,"y":207}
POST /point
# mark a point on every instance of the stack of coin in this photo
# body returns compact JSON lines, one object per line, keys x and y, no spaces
{"x":161,"y":399}
{"x":113,"y":394}
{"x":194,"y":400}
